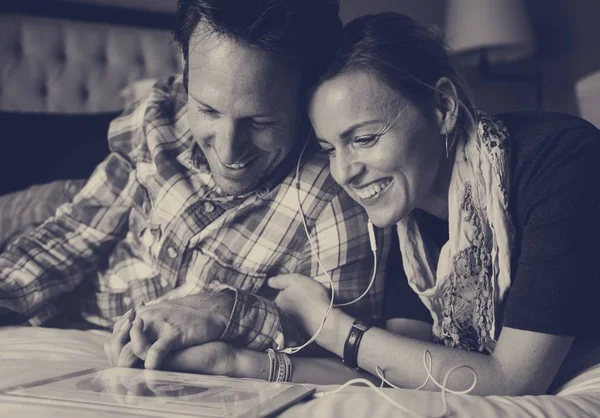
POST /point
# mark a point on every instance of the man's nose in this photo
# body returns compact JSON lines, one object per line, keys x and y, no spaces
{"x":345,"y":169}
{"x":230,"y":141}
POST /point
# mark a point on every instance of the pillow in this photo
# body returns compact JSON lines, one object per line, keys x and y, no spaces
{"x":42,"y":147}
{"x":22,"y":211}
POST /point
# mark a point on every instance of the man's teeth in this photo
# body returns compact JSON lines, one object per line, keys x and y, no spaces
{"x":373,"y":190}
{"x":236,"y":166}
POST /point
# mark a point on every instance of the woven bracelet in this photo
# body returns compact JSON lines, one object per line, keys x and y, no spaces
{"x":273,"y":364}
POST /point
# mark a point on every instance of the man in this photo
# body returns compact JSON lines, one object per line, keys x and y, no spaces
{"x":196,"y":206}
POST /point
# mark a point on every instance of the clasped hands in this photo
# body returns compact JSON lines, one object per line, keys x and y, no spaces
{"x":183,"y":334}
{"x":161,"y":332}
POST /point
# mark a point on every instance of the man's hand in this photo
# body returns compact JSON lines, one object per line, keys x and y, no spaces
{"x":303,"y":298}
{"x":170,"y":325}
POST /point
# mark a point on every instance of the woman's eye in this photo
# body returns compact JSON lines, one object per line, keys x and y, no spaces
{"x":367,"y":140}
{"x":328,"y":151}
{"x":209,"y":112}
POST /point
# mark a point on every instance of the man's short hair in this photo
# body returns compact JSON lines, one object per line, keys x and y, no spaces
{"x":306,"y":32}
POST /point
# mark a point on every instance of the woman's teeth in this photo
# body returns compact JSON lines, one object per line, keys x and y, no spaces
{"x":375,"y":189}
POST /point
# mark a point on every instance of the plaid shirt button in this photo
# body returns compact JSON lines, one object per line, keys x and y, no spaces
{"x":171,"y":252}
{"x":208,"y":207}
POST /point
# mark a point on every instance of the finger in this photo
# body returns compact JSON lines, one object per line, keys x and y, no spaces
{"x":140,"y":308}
{"x":118,"y":340}
{"x":139,"y":342}
{"x":280,"y":282}
{"x":127,"y":316}
{"x":159,"y":351}
{"x":127,"y":357}
{"x":107,"y":346}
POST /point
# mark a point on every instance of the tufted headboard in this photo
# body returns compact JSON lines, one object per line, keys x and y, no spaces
{"x":72,"y":58}
{"x":64,"y":67}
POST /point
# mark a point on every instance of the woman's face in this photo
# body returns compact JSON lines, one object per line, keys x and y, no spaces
{"x":383,"y":149}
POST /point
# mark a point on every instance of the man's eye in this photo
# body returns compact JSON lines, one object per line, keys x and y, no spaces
{"x":367,"y":140}
{"x":261,"y":125}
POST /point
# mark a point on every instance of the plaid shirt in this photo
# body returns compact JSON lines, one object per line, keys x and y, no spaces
{"x":151,"y":224}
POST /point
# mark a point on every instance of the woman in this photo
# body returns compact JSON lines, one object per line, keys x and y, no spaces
{"x":497,"y":221}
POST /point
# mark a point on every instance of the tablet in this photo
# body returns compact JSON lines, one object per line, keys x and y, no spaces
{"x":158,"y":393}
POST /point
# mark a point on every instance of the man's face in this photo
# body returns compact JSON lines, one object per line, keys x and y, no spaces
{"x":243,"y":108}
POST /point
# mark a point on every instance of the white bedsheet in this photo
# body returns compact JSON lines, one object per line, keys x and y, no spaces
{"x":27,"y":353}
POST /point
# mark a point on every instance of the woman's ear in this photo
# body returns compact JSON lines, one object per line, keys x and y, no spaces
{"x":446,"y":105}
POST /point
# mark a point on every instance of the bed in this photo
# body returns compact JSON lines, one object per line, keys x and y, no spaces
{"x":65,"y":71}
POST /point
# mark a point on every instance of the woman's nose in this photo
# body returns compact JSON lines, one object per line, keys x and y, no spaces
{"x":345,"y":169}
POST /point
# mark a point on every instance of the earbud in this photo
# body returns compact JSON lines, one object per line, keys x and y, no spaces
{"x":372,"y":239}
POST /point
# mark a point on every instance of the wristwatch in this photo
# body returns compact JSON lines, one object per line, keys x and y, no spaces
{"x":359,"y":327}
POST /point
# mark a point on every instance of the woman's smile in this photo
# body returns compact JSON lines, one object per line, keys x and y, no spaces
{"x":371,"y":193}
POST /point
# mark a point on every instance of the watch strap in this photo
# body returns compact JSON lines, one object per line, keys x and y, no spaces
{"x":357,"y":330}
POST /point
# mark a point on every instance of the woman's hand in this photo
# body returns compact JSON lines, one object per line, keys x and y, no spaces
{"x":220,"y":358}
{"x":302,"y":297}
{"x":216,"y":357}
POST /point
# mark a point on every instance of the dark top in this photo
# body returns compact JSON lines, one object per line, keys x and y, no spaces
{"x":555,"y":205}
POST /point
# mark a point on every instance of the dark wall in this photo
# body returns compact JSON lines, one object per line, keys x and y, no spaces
{"x":568,"y":34}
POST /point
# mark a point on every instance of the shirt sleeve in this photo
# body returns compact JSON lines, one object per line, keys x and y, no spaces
{"x":556,"y":278}
{"x":55,"y":257}
{"x":257,"y":323}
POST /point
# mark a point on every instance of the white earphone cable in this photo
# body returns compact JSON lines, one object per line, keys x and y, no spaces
{"x":373,"y":243}
{"x":443,"y":386}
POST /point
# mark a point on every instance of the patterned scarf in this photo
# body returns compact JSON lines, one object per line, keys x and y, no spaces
{"x":466,"y":290}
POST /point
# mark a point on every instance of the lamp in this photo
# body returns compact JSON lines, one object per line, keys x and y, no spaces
{"x":488,"y":32}
{"x":587,"y":91}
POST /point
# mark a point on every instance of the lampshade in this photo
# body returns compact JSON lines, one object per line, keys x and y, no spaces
{"x":499,"y":26}
{"x":587,"y":90}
